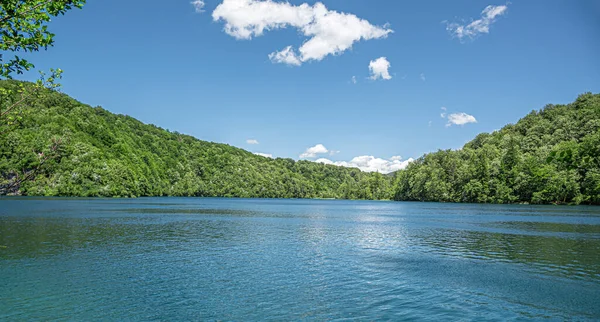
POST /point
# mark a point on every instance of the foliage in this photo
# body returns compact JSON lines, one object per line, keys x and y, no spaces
{"x":110,"y":155}
{"x":24,"y":28}
{"x":13,"y":107}
{"x":549,"y":156}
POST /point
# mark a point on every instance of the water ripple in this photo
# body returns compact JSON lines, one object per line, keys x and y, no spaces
{"x":235,"y":259}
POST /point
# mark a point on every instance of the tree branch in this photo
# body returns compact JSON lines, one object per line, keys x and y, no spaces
{"x":8,"y":17}
{"x":29,"y":175}
{"x":23,"y":98}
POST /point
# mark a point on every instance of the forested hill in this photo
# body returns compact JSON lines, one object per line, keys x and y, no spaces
{"x":103,"y":154}
{"x":549,"y":156}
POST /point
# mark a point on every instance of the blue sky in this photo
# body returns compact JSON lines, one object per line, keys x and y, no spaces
{"x":163,"y":62}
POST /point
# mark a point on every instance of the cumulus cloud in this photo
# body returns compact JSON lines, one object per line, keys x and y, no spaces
{"x":329,"y":32}
{"x":252,"y":141}
{"x":266,"y":155}
{"x":422,"y":76}
{"x":285,"y":56}
{"x":369,"y":163}
{"x":460,"y":119}
{"x":313,"y":151}
{"x":443,"y":114}
{"x":476,"y":27}
{"x":379,"y":68}
{"x":198,"y":5}
{"x":354,"y":80}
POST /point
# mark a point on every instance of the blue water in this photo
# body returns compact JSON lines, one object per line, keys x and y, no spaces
{"x":174,"y":259}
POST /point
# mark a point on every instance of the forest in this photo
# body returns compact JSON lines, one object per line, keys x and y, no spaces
{"x":550,"y":156}
{"x":99,"y":154}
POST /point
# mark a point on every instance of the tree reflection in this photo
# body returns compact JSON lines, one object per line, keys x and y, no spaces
{"x":568,"y":257}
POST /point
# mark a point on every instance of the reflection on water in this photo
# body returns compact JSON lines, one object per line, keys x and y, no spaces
{"x":568,"y":257}
{"x":236,"y":259}
{"x":35,"y":237}
{"x":550,"y":227}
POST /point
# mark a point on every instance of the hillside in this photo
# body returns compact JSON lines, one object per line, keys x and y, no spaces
{"x":550,"y":156}
{"x":107,"y":155}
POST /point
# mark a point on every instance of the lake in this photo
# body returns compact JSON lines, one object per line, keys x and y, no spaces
{"x":175,"y":259}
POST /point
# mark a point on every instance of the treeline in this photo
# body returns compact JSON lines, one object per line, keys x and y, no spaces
{"x":106,"y":155}
{"x":550,"y":156}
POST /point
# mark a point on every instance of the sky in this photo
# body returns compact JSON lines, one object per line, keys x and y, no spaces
{"x":370,"y":84}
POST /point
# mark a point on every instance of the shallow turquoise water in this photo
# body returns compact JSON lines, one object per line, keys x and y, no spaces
{"x":174,"y":259}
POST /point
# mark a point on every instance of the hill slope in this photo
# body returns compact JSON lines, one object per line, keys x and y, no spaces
{"x":549,"y":156}
{"x":103,"y":154}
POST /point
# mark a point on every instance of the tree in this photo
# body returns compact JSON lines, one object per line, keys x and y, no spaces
{"x":13,"y":106}
{"x":24,"y":28}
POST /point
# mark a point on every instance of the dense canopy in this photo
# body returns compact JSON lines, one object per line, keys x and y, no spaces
{"x":108,"y":155}
{"x":550,"y":156}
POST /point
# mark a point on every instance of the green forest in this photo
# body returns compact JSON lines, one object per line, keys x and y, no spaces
{"x":101,"y":154}
{"x":550,"y":156}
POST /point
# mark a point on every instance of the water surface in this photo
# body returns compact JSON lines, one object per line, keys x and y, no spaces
{"x":176,"y":259}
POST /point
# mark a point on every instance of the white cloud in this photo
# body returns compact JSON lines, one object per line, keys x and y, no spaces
{"x":252,"y":141}
{"x":313,"y":151}
{"x":354,"y":80}
{"x":476,"y":27}
{"x":369,"y":163}
{"x":460,"y":119}
{"x":379,"y":68}
{"x":422,"y":76}
{"x":266,"y":155}
{"x":198,"y":5}
{"x":443,"y":114}
{"x":334,"y":152}
{"x":329,"y":32}
{"x":286,"y":56}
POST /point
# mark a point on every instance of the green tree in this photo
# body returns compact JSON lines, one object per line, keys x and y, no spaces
{"x":24,"y":28}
